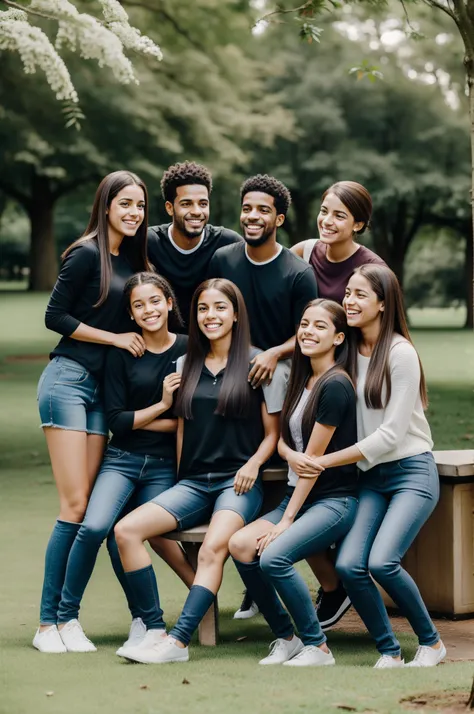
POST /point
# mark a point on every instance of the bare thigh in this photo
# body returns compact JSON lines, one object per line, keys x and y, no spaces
{"x":75,"y":460}
{"x":145,"y":522}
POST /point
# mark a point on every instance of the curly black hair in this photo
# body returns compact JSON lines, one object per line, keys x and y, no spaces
{"x":184,"y":174}
{"x":271,"y":186}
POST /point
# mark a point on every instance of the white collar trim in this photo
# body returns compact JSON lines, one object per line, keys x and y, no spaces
{"x":182,"y":250}
{"x":265,"y":262}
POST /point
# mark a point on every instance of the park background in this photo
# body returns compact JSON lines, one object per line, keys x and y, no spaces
{"x":379,"y":96}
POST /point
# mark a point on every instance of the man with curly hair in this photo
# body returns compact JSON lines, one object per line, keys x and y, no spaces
{"x":276,"y":284}
{"x":181,"y":250}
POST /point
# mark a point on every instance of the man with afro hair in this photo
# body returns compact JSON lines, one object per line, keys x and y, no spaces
{"x":275,"y":283}
{"x":181,"y":250}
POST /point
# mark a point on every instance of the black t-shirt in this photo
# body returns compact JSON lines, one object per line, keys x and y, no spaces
{"x":72,"y":302}
{"x":186,"y":270}
{"x":275,"y":293}
{"x":131,"y":384}
{"x":215,"y":446}
{"x":337,"y":407}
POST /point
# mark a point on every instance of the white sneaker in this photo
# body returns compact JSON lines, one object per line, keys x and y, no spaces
{"x":428,"y":656}
{"x":163,"y":650}
{"x":388,"y":662}
{"x":74,"y":638}
{"x":135,"y":636}
{"x":282,"y":650}
{"x":49,"y":641}
{"x":247,"y":608}
{"x":311,"y":656}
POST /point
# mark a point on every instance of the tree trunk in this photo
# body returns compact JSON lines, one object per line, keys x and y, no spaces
{"x":43,"y":259}
{"x":469,"y":272}
{"x":469,"y":62}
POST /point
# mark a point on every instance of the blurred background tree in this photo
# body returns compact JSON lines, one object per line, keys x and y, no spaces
{"x":243,"y":99}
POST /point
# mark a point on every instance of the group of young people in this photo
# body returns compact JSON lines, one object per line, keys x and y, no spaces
{"x":207,"y":355}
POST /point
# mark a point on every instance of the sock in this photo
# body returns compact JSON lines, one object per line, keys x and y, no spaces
{"x":145,"y":594}
{"x":55,"y":563}
{"x":197,"y":604}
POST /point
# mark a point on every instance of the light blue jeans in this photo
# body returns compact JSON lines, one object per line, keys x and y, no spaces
{"x":395,"y":500}
{"x":317,"y":526}
{"x":125,"y":481}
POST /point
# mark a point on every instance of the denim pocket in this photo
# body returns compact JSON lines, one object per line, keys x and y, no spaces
{"x":113,"y":453}
{"x":72,"y":374}
{"x":418,"y":463}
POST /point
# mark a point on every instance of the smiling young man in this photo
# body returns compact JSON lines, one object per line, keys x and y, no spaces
{"x":276,"y":285}
{"x":181,"y":250}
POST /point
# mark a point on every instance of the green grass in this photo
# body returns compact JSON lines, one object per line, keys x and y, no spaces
{"x":225,"y":679}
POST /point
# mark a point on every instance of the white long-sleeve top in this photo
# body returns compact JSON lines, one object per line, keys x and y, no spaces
{"x":400,"y":429}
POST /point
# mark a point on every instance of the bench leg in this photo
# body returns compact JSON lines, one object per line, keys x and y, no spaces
{"x":209,"y":627}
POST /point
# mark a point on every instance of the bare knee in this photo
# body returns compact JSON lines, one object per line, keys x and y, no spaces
{"x":73,"y":508}
{"x":125,"y":533}
{"x":241,"y":548}
{"x":211,"y":555}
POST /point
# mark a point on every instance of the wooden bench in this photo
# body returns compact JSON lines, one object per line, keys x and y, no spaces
{"x":441,"y":560}
{"x":274,"y":486}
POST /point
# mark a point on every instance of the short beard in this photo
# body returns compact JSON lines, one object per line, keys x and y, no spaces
{"x":181,"y":226}
{"x":257,"y":242}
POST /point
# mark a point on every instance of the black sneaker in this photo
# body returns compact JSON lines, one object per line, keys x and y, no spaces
{"x":247,"y":609}
{"x":331,"y":606}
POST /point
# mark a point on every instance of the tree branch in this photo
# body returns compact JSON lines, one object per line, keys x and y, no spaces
{"x":440,"y":6}
{"x":19,"y":196}
{"x":71,"y":185}
{"x":166,"y":15}
{"x":28,"y":10}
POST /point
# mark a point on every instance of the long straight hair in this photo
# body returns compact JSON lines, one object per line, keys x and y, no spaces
{"x":235,"y":397}
{"x":175,"y":321}
{"x":134,"y":247}
{"x":301,"y":371}
{"x":384,"y":283}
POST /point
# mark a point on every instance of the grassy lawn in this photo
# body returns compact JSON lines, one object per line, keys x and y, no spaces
{"x":225,"y":679}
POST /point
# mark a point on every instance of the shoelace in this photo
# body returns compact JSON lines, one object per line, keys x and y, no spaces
{"x":384,"y":662}
{"x":275,"y":646}
{"x":422,"y":653}
{"x":308,"y":648}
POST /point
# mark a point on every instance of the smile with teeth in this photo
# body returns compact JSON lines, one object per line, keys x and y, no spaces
{"x":308,"y":341}
{"x":352,"y":312}
{"x":152,"y":318}
{"x":253,"y":227}
{"x":212,"y":325}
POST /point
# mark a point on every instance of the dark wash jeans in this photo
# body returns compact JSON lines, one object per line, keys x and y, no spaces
{"x":395,"y":500}
{"x":125,"y":481}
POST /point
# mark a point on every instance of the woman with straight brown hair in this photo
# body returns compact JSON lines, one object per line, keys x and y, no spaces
{"x":88,"y":308}
{"x":225,"y":435}
{"x":399,"y":484}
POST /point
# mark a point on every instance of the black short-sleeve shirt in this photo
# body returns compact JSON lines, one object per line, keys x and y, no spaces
{"x":215,"y":446}
{"x":132,"y":384}
{"x":275,"y":293}
{"x":337,"y":407}
{"x":72,"y":302}
{"x":186,"y":270}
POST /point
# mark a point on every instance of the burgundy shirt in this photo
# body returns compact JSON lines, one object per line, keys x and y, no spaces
{"x":332,"y":278}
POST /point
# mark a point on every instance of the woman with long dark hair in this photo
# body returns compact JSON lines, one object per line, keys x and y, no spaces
{"x":344,"y":215}
{"x":225,"y":435}
{"x":318,"y":417}
{"x":140,"y":460}
{"x":88,"y":308}
{"x":399,"y":485}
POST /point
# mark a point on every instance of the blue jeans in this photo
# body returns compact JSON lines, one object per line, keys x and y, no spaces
{"x":70,"y":397}
{"x":395,"y":500}
{"x":317,"y":526}
{"x":125,"y":481}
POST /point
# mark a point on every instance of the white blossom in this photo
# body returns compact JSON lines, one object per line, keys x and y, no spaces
{"x":103,"y":41}
{"x":35,"y":50}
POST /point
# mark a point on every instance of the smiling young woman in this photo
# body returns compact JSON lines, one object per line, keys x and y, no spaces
{"x":140,"y":460}
{"x":88,"y":308}
{"x":225,"y":435}
{"x":318,"y":417}
{"x":344,"y":215}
